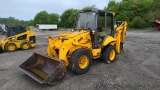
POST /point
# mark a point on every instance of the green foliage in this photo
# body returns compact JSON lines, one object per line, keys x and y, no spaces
{"x":153,"y":15}
{"x":138,"y":22}
{"x":155,"y":5}
{"x":11,"y":21}
{"x":88,"y":8}
{"x":30,"y":23}
{"x":132,"y":10}
{"x":68,"y":17}
{"x":53,"y":18}
{"x":111,"y":6}
{"x":44,"y":18}
{"x":136,"y":12}
{"x":41,"y":18}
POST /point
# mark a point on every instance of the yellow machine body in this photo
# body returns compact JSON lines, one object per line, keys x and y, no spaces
{"x":94,"y":37}
{"x":64,"y":45}
{"x":67,"y":43}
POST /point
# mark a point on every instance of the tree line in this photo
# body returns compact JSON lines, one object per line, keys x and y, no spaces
{"x":136,"y":12}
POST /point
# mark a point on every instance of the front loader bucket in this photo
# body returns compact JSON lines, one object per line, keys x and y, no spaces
{"x":44,"y":69}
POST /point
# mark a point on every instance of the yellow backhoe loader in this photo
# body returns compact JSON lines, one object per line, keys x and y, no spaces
{"x":93,"y":37}
{"x":17,"y":38}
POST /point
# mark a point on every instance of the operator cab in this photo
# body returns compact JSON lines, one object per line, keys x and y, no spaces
{"x":11,"y":31}
{"x":99,"y":22}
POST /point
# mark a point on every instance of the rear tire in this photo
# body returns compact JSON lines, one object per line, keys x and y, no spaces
{"x":10,"y":47}
{"x":109,"y":54}
{"x":80,"y":61}
{"x":25,"y":45}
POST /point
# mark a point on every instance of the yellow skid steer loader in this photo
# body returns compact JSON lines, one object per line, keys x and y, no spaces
{"x":17,"y":38}
{"x":93,"y":37}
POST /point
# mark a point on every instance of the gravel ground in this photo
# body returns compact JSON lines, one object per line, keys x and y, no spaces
{"x":137,"y":68}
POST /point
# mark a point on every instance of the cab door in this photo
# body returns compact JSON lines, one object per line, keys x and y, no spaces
{"x":104,"y":27}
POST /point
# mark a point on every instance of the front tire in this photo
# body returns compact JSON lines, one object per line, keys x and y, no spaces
{"x":80,"y":61}
{"x":10,"y":47}
{"x":109,"y":54}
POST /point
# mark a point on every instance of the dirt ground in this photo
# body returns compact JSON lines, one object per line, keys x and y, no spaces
{"x":137,"y":68}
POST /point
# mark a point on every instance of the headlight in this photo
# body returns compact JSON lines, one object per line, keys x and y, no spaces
{"x":72,"y":30}
{"x":93,"y":31}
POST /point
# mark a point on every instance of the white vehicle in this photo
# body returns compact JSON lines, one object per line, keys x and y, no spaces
{"x":2,"y":28}
{"x":46,"y":27}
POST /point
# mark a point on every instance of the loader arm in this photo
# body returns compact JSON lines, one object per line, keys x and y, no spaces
{"x":64,"y":45}
{"x":62,"y":49}
{"x":120,"y":36}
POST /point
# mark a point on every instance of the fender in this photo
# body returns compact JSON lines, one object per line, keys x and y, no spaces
{"x":108,"y":39}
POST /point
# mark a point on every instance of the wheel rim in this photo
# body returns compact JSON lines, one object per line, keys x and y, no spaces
{"x":112,"y":55}
{"x":83,"y":62}
{"x":25,"y":46}
{"x":11,"y":47}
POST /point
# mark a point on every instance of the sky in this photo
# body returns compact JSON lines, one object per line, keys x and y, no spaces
{"x":27,"y":9}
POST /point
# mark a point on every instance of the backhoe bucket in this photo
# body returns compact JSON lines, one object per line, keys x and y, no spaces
{"x":44,"y":69}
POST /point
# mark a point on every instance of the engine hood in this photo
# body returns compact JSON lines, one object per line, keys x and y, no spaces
{"x":73,"y":34}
